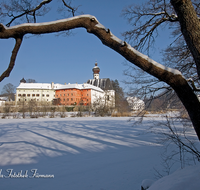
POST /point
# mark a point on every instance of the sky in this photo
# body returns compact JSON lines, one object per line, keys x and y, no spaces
{"x":70,"y":59}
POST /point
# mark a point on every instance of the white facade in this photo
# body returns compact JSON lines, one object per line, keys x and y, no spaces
{"x":46,"y":92}
{"x":96,"y":76}
{"x":103,"y":98}
{"x":3,"y":100}
{"x":135,"y":103}
{"x":35,"y":91}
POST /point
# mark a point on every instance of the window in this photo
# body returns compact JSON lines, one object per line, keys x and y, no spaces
{"x":37,"y":95}
{"x":19,"y":94}
{"x":72,"y":94}
{"x":60,"y":94}
{"x":33,"y":95}
{"x":19,"y":100}
{"x":67,"y":99}
{"x":42,"y":95}
{"x":47,"y":95}
{"x":108,"y":98}
{"x":63,"y":99}
{"x":71,"y":99}
{"x":47,"y":100}
{"x":24,"y":95}
{"x":28,"y":95}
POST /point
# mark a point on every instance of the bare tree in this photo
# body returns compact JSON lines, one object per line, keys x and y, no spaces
{"x":9,"y":90}
{"x":170,"y":76}
{"x":30,"y":80}
{"x":179,"y":146}
{"x":145,"y":20}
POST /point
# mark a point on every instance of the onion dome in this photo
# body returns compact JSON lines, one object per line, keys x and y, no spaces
{"x":96,"y":69}
{"x":23,"y":81}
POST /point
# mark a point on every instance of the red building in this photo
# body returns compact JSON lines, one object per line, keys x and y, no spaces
{"x":74,"y":94}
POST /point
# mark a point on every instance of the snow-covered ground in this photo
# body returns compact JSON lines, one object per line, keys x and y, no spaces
{"x":77,"y":154}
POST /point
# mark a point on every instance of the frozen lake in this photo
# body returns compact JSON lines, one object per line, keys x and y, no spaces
{"x":76,"y":154}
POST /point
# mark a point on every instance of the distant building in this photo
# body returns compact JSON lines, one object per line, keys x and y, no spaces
{"x":135,"y":103}
{"x":35,"y":91}
{"x":78,"y":94}
{"x":68,"y":94}
{"x":105,"y":84}
{"x":3,"y":100}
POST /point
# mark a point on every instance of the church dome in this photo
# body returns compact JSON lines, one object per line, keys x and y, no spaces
{"x":96,"y":69}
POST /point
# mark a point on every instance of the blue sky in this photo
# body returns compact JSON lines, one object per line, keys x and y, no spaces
{"x":50,"y":58}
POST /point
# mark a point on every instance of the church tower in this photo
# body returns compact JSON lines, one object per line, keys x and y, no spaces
{"x":103,"y":83}
{"x":96,"y":71}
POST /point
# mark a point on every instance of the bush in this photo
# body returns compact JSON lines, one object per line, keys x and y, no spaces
{"x":69,"y":109}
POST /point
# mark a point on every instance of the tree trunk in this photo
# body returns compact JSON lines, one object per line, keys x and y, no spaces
{"x":190,"y":27}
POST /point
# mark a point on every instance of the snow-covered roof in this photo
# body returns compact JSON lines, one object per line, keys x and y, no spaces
{"x":49,"y":86}
{"x":79,"y":86}
{"x":3,"y":98}
{"x":134,"y":100}
{"x":104,"y":83}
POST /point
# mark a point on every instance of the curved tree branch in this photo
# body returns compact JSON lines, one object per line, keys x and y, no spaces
{"x":7,"y":72}
{"x":168,"y":75}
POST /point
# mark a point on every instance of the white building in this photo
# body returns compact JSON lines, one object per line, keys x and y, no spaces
{"x":105,"y":84}
{"x":69,"y":94}
{"x":3,"y":100}
{"x":35,"y":91}
{"x":135,"y":103}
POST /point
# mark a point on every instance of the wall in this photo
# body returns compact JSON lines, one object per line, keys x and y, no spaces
{"x":74,"y":96}
{"x":37,"y":94}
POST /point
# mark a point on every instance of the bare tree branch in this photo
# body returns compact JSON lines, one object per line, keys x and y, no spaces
{"x":12,"y":59}
{"x":145,"y":20}
{"x":27,"y":12}
{"x":69,"y":7}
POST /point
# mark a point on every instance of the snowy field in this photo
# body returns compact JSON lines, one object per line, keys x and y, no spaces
{"x":77,"y":154}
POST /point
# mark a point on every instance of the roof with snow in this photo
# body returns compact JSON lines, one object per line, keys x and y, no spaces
{"x":47,"y":86}
{"x":52,"y":86}
{"x":79,"y":86}
{"x":104,"y":84}
{"x":3,"y":98}
{"x":134,"y":100}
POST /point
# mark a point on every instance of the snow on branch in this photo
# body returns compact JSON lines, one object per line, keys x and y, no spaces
{"x":91,"y":24}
